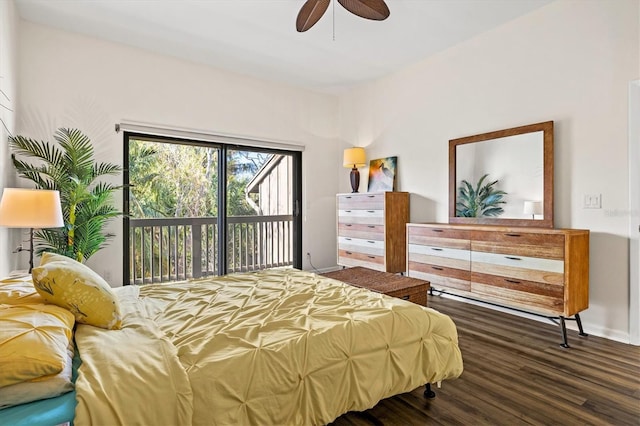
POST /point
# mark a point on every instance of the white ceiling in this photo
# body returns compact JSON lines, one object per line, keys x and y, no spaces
{"x":258,"y":37}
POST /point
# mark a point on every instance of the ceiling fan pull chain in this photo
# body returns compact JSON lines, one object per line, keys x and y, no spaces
{"x":333,"y":6}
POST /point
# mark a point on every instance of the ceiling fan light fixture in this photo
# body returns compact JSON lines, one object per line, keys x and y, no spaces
{"x":313,"y":10}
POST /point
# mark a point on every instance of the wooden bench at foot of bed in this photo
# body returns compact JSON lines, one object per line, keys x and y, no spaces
{"x":411,"y":289}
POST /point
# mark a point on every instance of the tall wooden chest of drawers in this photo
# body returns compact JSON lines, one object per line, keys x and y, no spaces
{"x":545,"y":271}
{"x":372,"y":230}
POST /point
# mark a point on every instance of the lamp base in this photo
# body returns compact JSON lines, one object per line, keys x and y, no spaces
{"x":30,"y":250}
{"x":355,"y":180}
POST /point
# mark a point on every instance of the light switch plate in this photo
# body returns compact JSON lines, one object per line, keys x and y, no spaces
{"x":592,"y":201}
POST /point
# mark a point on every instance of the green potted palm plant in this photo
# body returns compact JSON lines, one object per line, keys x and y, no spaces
{"x":69,"y":167}
{"x":482,"y":201}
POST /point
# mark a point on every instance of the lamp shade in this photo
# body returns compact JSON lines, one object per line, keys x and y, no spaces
{"x":354,"y":157}
{"x":30,"y":208}
{"x":532,"y":207}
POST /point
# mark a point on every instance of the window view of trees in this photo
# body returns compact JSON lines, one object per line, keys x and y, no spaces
{"x":172,"y":180}
{"x":173,"y":211}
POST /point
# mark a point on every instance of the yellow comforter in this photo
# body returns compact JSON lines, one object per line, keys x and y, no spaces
{"x":273,"y":347}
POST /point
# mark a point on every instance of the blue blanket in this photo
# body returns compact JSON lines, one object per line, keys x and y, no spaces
{"x":45,"y":412}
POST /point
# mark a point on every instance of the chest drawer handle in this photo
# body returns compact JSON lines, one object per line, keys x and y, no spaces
{"x":372,"y":242}
{"x":371,"y":257}
{"x":405,"y":297}
{"x":437,"y":268}
{"x":371,"y":196}
{"x":512,"y":281}
{"x":436,"y":249}
{"x":347,"y":224}
{"x":347,"y":211}
{"x":371,"y":211}
{"x":348,"y":239}
{"x":371,"y":226}
{"x":348,"y":196}
{"x":512,"y":258}
{"x":512,"y":235}
{"x":348,"y":252}
{"x":437,"y":230}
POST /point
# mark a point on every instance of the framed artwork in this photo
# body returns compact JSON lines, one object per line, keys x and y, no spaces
{"x":382,"y":174}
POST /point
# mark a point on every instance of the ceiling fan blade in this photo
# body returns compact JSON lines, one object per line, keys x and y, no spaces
{"x":310,"y":13}
{"x":368,"y":9}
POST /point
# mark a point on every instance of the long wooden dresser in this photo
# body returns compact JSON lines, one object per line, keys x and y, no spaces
{"x":538,"y":270}
{"x":371,"y":230}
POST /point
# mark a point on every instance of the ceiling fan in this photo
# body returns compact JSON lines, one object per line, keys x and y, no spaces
{"x":312,"y":11}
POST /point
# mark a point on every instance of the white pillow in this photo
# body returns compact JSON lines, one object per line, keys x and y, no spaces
{"x":40,"y":388}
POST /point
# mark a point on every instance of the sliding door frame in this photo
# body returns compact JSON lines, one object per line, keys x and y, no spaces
{"x":223,"y":148}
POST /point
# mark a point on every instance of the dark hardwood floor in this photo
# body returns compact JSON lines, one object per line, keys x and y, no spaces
{"x":515,"y":372}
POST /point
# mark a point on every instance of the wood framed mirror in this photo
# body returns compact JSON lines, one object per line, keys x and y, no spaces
{"x":520,"y":159}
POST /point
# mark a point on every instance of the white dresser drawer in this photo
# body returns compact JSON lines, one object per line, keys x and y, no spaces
{"x":361,"y":246}
{"x":372,"y":217}
{"x":524,"y":262}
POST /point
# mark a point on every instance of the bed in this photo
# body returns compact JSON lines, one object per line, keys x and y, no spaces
{"x":278,"y":346}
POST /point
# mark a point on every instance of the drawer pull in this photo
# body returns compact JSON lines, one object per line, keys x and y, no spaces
{"x":405,"y":297}
{"x":437,"y":268}
{"x":371,"y":211}
{"x":371,"y":257}
{"x":348,"y":239}
{"x":437,"y":230}
{"x":512,"y":258}
{"x":372,"y":242}
{"x":512,"y":281}
{"x":371,"y":196}
{"x":436,"y":249}
{"x":348,"y":252}
{"x":347,"y":224}
{"x":513,"y":235}
{"x":347,"y":211}
{"x":348,"y":196}
{"x":371,"y":226}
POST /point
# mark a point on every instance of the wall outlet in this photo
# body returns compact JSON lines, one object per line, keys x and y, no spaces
{"x":592,"y":201}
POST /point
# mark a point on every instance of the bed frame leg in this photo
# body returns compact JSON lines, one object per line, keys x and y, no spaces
{"x":428,"y":393}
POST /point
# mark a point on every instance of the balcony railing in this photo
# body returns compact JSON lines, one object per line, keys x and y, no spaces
{"x":174,"y":249}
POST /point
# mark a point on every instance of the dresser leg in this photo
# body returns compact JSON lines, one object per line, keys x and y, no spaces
{"x":428,"y":393}
{"x":581,"y":330}
{"x":563,"y":328}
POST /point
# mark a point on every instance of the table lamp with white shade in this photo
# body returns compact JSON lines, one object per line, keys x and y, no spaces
{"x":354,"y":158}
{"x":532,"y":208}
{"x":30,"y":208}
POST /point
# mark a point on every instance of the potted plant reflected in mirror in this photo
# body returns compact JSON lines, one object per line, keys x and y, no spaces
{"x":482,"y":201}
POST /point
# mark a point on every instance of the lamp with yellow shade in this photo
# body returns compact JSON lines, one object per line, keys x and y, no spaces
{"x":30,"y":208}
{"x":354,"y":158}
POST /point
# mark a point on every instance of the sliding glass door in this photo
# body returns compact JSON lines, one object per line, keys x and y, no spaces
{"x":197,"y":209}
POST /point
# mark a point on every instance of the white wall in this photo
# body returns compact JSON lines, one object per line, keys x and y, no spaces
{"x":571,"y":62}
{"x":75,"y":81}
{"x":8,"y":83}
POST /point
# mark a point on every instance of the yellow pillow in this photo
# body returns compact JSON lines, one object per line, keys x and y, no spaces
{"x":19,"y":291}
{"x":33,"y":341}
{"x":40,"y":388}
{"x":76,"y":287}
{"x":48,"y":257}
